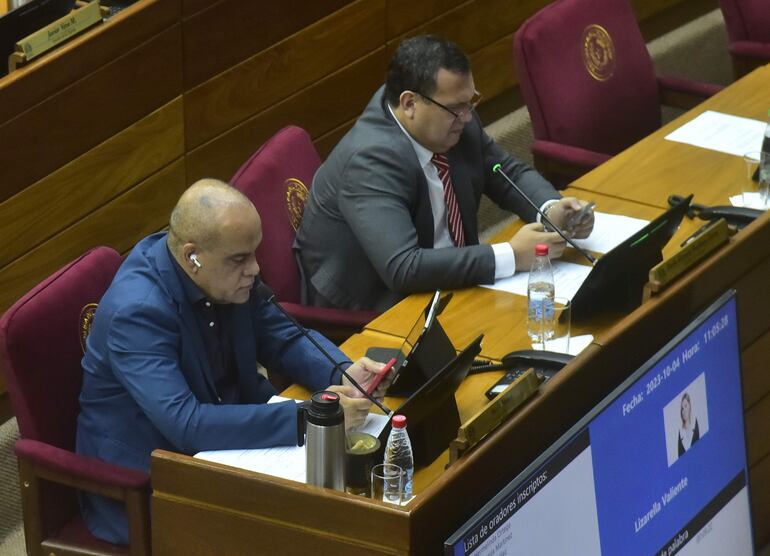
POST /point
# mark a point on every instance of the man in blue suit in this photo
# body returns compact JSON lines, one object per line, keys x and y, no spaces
{"x":171,"y":360}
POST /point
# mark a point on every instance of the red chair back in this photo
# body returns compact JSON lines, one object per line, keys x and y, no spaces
{"x":747,"y":20}
{"x":586,"y":75}
{"x":276,"y":179}
{"x":41,"y":344}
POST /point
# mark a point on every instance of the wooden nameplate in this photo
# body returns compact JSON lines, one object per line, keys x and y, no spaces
{"x":493,"y":414}
{"x":714,"y":236}
{"x":82,"y":17}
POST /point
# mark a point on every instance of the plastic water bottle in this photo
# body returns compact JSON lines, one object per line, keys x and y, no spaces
{"x":540,"y":294}
{"x":398,"y":450}
{"x":764,"y":166}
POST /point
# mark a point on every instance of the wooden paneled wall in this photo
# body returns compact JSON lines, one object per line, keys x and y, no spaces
{"x":98,"y":138}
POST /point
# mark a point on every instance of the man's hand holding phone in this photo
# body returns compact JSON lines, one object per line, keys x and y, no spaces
{"x":575,"y":218}
{"x":580,"y":220}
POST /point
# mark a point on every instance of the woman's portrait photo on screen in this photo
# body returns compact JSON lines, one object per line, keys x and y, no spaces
{"x":685,"y":419}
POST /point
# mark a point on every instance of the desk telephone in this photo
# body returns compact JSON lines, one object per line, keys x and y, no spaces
{"x":735,"y":216}
{"x":545,"y":363}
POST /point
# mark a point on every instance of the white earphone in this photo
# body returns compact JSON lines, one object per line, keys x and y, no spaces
{"x":194,"y":259}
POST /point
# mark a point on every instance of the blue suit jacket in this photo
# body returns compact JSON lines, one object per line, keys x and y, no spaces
{"x":147,"y":383}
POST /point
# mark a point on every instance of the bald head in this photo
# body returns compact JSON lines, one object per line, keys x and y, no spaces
{"x":202,"y":211}
{"x":214,"y":231}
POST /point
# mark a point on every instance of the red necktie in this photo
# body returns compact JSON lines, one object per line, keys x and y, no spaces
{"x":454,"y":220}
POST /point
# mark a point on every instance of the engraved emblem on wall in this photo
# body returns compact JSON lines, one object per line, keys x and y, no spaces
{"x":296,"y":195}
{"x":598,"y":52}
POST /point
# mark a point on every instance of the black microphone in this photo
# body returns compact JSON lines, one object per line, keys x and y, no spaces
{"x":268,"y":295}
{"x":499,"y":169}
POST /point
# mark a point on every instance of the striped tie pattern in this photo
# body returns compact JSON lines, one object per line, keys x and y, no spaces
{"x":454,"y":220}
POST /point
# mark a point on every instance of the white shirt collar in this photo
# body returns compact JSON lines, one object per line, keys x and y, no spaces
{"x":423,"y":155}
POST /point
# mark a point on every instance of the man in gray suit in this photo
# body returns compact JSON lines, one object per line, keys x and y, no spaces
{"x":392,"y":211}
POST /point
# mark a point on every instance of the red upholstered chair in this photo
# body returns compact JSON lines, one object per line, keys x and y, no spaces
{"x":276,"y":178}
{"x":589,"y":84}
{"x":41,"y":344}
{"x":748,"y":28}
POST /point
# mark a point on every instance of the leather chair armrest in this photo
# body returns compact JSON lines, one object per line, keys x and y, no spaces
{"x":84,"y":473}
{"x":40,"y":461}
{"x":562,"y":163}
{"x":751,"y":49}
{"x":567,"y":154}
{"x":336,"y":324}
{"x":684,"y":93}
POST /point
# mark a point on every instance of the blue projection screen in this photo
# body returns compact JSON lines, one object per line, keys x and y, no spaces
{"x":658,"y":468}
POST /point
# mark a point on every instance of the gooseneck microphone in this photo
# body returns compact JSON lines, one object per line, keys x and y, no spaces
{"x":267,"y":294}
{"x":499,"y":169}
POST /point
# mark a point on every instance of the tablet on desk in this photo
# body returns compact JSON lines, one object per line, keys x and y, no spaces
{"x":432,"y":417}
{"x":617,"y":279}
{"x":424,"y":351}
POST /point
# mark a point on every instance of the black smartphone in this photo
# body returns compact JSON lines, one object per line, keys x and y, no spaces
{"x":579,"y":216}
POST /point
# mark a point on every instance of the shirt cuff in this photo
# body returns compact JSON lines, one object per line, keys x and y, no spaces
{"x":548,"y":204}
{"x":505,"y":260}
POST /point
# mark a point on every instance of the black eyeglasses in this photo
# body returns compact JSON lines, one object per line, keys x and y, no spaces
{"x":460,"y":110}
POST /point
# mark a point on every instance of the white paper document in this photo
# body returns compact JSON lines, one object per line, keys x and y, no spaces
{"x":753,"y":198}
{"x":567,"y":277}
{"x":721,"y":132}
{"x":576,"y":344}
{"x":287,"y":462}
{"x":610,"y":230}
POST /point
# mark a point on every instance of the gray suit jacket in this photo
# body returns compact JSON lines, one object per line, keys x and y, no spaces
{"x":366,"y":238}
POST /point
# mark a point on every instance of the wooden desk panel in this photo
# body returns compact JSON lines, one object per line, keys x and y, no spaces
{"x":84,"y":54}
{"x":283,"y":69}
{"x":90,"y":111}
{"x":231,"y":31}
{"x":74,"y":191}
{"x":313,"y":108}
{"x":138,"y":212}
{"x":224,"y":510}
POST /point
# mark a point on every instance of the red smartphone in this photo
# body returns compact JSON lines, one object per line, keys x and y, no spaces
{"x":379,"y":376}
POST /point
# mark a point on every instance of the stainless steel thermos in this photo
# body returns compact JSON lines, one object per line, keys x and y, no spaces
{"x":323,"y":423}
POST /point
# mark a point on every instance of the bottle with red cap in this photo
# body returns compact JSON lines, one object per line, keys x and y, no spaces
{"x":398,"y":450}
{"x":540,"y":294}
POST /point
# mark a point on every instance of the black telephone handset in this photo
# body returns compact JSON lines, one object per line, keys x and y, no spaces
{"x":545,"y":363}
{"x":735,"y":216}
{"x":539,"y":359}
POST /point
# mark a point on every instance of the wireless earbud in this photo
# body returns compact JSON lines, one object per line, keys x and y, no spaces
{"x":194,"y":259}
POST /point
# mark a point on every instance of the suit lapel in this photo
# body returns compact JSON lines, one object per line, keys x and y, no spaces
{"x":188,"y":324}
{"x":422,"y":215}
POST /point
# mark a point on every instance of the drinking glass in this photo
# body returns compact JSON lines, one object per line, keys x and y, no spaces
{"x":562,"y":317}
{"x":388,"y":483}
{"x":749,"y":190}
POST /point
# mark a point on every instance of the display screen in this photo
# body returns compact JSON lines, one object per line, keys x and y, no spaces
{"x":658,"y":468}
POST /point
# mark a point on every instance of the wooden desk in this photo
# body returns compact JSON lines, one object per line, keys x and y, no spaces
{"x":202,"y":508}
{"x":499,"y":315}
{"x":654,"y":168}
